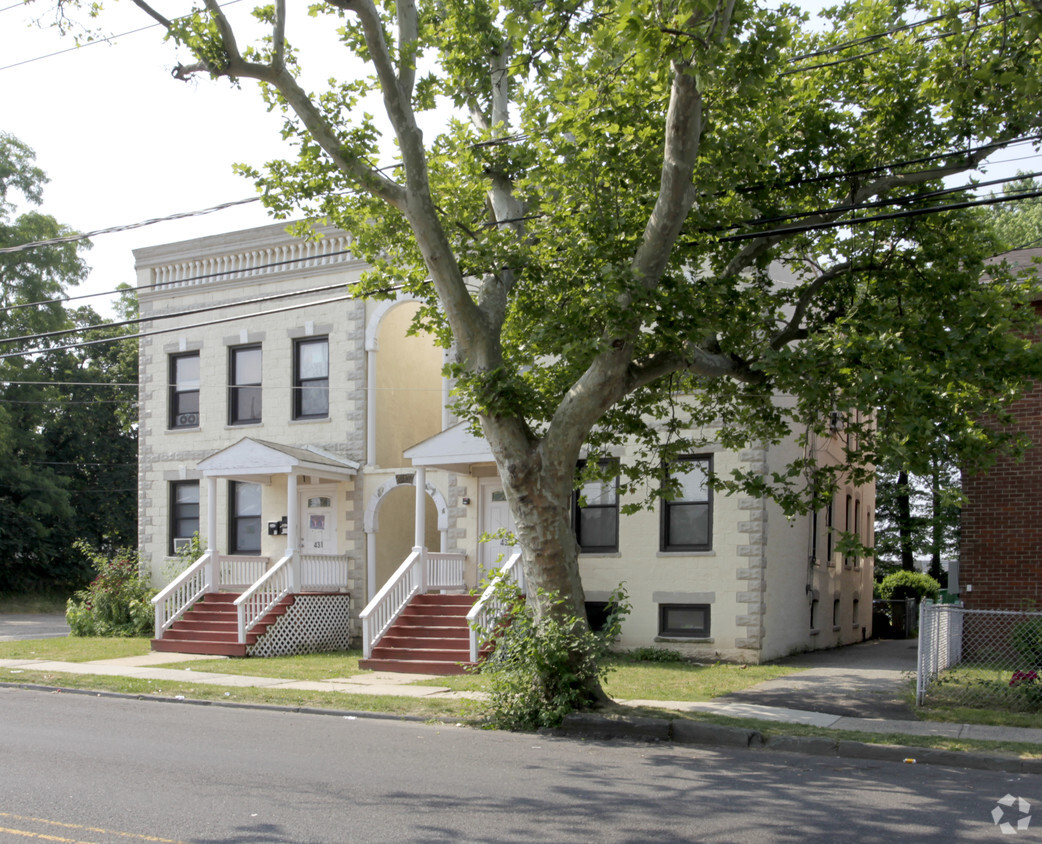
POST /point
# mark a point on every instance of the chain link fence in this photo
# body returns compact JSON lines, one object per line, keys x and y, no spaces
{"x":989,"y":659}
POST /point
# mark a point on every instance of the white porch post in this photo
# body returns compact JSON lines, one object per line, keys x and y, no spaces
{"x":420,"y":534}
{"x":370,"y":565}
{"x":292,"y":529}
{"x":211,"y":530}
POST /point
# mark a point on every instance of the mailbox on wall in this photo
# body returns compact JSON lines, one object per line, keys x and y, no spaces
{"x":277,"y":528}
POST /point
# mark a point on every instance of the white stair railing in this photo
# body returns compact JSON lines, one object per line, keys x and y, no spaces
{"x":257,"y":601}
{"x":323,"y":572}
{"x":388,"y":603}
{"x":187,"y":588}
{"x":488,"y":608}
{"x":445,"y":571}
{"x":240,"y":572}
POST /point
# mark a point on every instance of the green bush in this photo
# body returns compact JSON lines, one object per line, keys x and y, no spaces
{"x":540,"y":669}
{"x":655,"y":655}
{"x":909,"y":584}
{"x":118,"y":602}
{"x":1026,"y":640}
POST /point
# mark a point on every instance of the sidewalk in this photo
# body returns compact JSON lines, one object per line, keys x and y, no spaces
{"x":385,"y":683}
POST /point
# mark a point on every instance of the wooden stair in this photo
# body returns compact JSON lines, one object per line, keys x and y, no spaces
{"x":430,"y":636}
{"x":211,"y":627}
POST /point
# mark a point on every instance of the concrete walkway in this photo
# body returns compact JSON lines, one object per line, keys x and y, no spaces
{"x":858,"y":688}
{"x":386,"y":683}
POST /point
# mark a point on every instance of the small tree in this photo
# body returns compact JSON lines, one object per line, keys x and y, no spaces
{"x":118,"y":602}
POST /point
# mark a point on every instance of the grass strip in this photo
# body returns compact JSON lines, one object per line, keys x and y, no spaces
{"x":387,"y":704}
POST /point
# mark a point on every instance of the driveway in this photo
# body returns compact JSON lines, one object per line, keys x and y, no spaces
{"x":867,"y":680}
{"x":32,"y":626}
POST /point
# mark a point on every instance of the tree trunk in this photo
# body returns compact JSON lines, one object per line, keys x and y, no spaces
{"x":904,"y":521}
{"x":539,"y":491}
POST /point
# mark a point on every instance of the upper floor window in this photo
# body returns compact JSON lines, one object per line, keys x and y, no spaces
{"x":245,"y":518}
{"x":184,"y":513}
{"x":244,"y":385}
{"x":596,"y":515}
{"x":184,"y":390}
{"x":687,"y":523}
{"x":311,"y":378}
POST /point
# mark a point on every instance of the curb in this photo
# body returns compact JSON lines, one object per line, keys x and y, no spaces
{"x":608,"y":727}
{"x":231,"y":704}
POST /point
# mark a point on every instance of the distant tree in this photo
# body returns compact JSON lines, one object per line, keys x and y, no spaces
{"x":66,"y":452}
{"x":1019,"y":224}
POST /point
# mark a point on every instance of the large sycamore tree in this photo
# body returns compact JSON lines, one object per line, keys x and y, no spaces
{"x":665,"y":222}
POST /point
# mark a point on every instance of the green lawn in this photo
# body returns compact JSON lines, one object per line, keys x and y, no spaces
{"x":74,"y":648}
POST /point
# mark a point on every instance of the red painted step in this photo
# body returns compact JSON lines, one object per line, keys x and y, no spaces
{"x":211,"y":627}
{"x":430,"y":636}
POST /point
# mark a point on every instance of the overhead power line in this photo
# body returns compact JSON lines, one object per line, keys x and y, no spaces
{"x":73,"y":238}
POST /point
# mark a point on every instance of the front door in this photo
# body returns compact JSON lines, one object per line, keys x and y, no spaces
{"x":318,"y":533}
{"x":495,"y":517}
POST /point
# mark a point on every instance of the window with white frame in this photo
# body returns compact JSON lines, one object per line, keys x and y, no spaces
{"x":687,"y":518}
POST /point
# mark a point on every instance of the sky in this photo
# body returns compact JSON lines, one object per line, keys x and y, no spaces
{"x":123,"y":142}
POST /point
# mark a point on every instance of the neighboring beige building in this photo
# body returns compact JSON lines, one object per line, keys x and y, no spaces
{"x":291,"y":425}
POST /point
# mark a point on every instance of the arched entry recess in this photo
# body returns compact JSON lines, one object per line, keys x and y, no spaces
{"x":430,"y":522}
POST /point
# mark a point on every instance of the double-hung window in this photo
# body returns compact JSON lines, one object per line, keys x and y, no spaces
{"x":244,"y":385}
{"x":311,"y":378}
{"x":596,"y":515}
{"x":687,"y":518}
{"x":184,"y":513}
{"x":244,"y":520}
{"x":184,"y":390}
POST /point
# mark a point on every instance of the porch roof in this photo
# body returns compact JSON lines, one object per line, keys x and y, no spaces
{"x":455,"y":449}
{"x":257,"y":460}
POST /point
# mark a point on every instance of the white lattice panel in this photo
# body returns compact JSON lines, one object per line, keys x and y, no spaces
{"x":311,"y":624}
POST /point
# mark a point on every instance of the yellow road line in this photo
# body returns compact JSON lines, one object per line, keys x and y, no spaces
{"x":94,"y":829}
{"x":26,"y":834}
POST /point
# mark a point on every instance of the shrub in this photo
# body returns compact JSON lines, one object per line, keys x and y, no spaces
{"x":541,"y":669}
{"x":909,"y":584}
{"x":1026,"y":640}
{"x":655,"y":655}
{"x":118,"y":602}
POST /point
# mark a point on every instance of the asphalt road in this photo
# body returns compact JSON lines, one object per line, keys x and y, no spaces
{"x":84,"y":768}
{"x":32,"y":626}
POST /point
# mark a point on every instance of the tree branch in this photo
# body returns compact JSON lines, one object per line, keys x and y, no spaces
{"x":793,"y":328}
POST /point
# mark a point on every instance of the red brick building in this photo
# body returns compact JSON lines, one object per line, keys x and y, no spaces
{"x":1000,"y":563}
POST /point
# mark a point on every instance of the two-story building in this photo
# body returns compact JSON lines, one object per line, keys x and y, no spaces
{"x":303,"y":433}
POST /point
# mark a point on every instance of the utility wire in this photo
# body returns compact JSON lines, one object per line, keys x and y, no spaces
{"x":852,"y":221}
{"x":73,"y":238}
{"x":174,"y":314}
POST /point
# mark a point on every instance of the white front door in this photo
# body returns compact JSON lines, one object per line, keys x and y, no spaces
{"x":318,"y":533}
{"x":495,"y":517}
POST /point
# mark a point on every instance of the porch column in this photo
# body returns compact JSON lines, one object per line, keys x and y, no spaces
{"x":211,"y":530}
{"x":292,"y":529}
{"x":420,"y":534}
{"x":370,"y":565}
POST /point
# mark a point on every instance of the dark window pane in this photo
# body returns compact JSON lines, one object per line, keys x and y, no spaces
{"x":688,"y":524}
{"x":598,"y":527}
{"x":247,"y":404}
